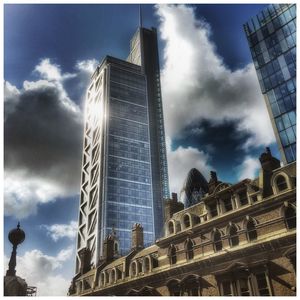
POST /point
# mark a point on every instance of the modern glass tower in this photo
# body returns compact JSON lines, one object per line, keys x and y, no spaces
{"x":124,"y":167}
{"x":272,"y":39}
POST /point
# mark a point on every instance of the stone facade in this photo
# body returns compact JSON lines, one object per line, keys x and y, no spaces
{"x":238,"y":240}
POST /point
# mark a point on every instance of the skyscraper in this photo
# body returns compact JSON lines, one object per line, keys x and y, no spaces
{"x":272,"y":39}
{"x":124,"y":168}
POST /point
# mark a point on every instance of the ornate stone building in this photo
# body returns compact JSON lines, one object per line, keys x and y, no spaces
{"x":238,"y":239}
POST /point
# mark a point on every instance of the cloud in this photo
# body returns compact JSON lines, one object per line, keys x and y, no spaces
{"x":196,"y":84}
{"x":59,"y":231}
{"x":40,"y":270}
{"x":249,"y":168}
{"x":42,"y":142}
{"x":181,"y":161}
{"x":87,"y":66}
{"x":50,"y":71}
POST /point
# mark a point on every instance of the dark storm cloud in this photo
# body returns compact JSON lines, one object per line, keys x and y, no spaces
{"x":43,"y":135}
{"x":219,"y":141}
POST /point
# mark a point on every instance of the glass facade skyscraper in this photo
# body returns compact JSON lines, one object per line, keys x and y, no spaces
{"x":272,"y":39}
{"x":124,"y":169}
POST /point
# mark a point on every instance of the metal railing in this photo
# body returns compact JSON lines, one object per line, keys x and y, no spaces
{"x":31,"y":291}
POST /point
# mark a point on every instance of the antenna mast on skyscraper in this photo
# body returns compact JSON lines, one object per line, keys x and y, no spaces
{"x":140,"y":15}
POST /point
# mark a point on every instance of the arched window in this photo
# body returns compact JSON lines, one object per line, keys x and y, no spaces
{"x":174,"y":287}
{"x":189,"y":250}
{"x":106,"y":277}
{"x":233,"y":236}
{"x":186,"y":221}
{"x":112,"y":276}
{"x":217,"y":241}
{"x":172,"y":255}
{"x":139,"y":267}
{"x":281,"y":183}
{"x":251,"y":231}
{"x":118,"y":274}
{"x":146,"y":264}
{"x":133,"y":269}
{"x":102,"y":279}
{"x":171,"y":227}
{"x":178,"y":227}
{"x":116,"y":247}
{"x":290,"y":217}
{"x":190,"y":286}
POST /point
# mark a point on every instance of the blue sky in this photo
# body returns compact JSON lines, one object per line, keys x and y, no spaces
{"x":215,"y":116}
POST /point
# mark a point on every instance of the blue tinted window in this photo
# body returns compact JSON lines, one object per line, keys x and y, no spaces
{"x":281,"y":106}
{"x":277,"y":92}
{"x":286,"y":120}
{"x":291,"y":135}
{"x":283,"y":90}
{"x":279,"y":124}
{"x":275,"y":109}
{"x":284,"y":138}
{"x":290,"y":86}
{"x":292,"y":117}
{"x":289,"y":154}
{"x":271,"y":96}
{"x":293,"y":11}
{"x":288,"y":103}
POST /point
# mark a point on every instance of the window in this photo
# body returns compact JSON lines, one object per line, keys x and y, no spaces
{"x":281,"y":183}
{"x":113,"y":276}
{"x":217,"y":241}
{"x":174,"y":287}
{"x":227,"y":204}
{"x":233,"y":236}
{"x":139,"y":267}
{"x":290,"y":217}
{"x":189,"y":250}
{"x":242,"y":283}
{"x":243,"y":198}
{"x":172,"y":255}
{"x":251,"y":231}
{"x":213,"y":209}
{"x":116,"y":247}
{"x":262,"y":284}
{"x":146,"y":265}
{"x":133,"y":269}
{"x":187,"y":221}
{"x":190,"y":286}
{"x":171,"y":227}
{"x":102,"y":280}
{"x":226,"y":288}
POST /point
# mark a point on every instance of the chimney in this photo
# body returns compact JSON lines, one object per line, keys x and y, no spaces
{"x":137,"y":238}
{"x":268,"y":164}
{"x":172,"y":206}
{"x":108,"y":249}
{"x":85,"y":260}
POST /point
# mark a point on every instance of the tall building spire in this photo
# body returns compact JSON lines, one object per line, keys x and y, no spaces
{"x":140,"y":16}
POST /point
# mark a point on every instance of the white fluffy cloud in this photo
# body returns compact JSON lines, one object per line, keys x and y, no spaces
{"x":196,"y":84}
{"x":249,"y":168}
{"x":51,"y":71}
{"x":40,"y":270}
{"x":181,"y":161}
{"x":87,"y":66}
{"x":59,"y":231}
